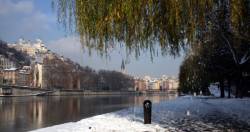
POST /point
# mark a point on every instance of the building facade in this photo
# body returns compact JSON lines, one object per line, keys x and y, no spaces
{"x":6,"y":63}
{"x":31,"y":49}
{"x":10,"y":76}
{"x":140,"y":84}
{"x":154,"y":84}
{"x":25,"y":76}
{"x":1,"y":77}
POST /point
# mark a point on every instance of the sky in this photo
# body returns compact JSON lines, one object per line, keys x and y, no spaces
{"x":32,"y":19}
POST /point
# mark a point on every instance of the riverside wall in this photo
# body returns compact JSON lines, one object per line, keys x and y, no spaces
{"x":22,"y":91}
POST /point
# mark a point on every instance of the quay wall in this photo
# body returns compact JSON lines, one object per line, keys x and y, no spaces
{"x":22,"y":91}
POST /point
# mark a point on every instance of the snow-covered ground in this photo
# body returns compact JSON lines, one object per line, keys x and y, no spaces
{"x":215,"y":90}
{"x":103,"y":123}
{"x":185,"y":113}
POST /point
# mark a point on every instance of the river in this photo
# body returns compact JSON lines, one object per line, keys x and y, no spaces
{"x":19,"y":114}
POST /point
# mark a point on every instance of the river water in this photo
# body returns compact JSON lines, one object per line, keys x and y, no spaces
{"x":19,"y":114}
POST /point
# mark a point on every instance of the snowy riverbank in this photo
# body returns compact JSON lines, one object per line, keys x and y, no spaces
{"x":185,"y":113}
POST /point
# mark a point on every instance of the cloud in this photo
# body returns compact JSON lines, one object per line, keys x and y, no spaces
{"x":8,"y":7}
{"x":35,"y":22}
{"x":70,"y":47}
{"x":67,"y":46}
{"x":24,"y":19}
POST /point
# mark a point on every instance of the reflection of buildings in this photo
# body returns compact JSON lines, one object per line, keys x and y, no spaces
{"x":24,"y":114}
{"x":8,"y":112}
{"x":37,"y":110}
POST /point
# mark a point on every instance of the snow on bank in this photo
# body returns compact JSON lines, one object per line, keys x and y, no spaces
{"x":185,"y":113}
{"x":104,"y":123}
{"x":215,"y":90}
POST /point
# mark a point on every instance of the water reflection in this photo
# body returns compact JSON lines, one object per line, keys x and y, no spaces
{"x":28,"y":113}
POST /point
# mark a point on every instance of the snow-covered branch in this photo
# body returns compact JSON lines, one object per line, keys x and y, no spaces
{"x":245,"y":58}
{"x":231,"y":49}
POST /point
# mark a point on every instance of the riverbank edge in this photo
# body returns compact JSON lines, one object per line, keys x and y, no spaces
{"x":48,"y":92}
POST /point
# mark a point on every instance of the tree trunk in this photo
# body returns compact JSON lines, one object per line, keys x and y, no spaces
{"x":226,"y":24}
{"x":222,"y":94}
{"x":242,"y":88}
{"x":239,"y":85}
{"x":205,"y":91}
{"x":229,"y":88}
{"x":237,"y":89}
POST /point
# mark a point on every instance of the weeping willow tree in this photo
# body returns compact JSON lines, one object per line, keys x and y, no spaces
{"x":143,"y":24}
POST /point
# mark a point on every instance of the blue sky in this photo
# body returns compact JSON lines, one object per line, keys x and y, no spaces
{"x":31,"y":19}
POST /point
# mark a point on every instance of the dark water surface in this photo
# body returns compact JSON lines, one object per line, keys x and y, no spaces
{"x":19,"y":114}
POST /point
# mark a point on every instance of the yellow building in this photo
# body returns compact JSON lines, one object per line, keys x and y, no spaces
{"x":140,"y":84}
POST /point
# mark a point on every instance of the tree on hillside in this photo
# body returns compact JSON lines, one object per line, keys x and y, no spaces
{"x":89,"y":78}
{"x":115,"y":81}
{"x":14,"y":55}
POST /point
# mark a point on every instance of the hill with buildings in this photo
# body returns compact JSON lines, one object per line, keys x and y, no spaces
{"x":12,"y":55}
{"x":48,"y":70}
{"x":32,"y":64}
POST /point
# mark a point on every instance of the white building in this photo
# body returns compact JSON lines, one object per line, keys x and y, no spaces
{"x":31,"y":49}
{"x":39,"y":46}
{"x":154,"y":85}
{"x":6,"y":63}
{"x":163,"y":83}
{"x":38,"y":75}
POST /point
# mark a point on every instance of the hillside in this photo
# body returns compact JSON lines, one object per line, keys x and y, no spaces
{"x":13,"y":54}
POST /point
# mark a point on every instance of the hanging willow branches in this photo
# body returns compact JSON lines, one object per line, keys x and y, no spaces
{"x":142,"y":24}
